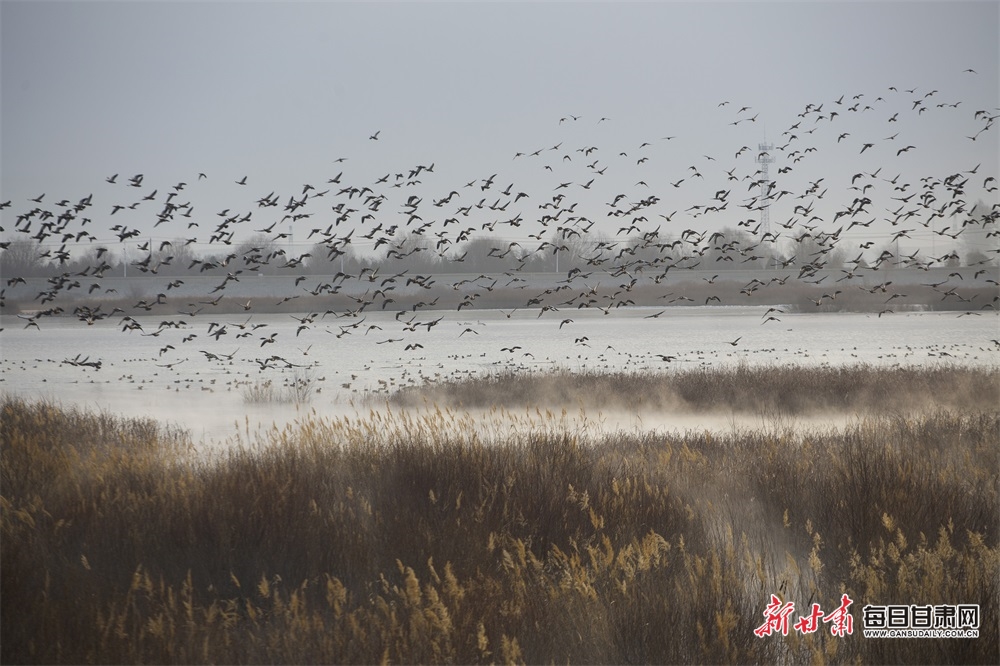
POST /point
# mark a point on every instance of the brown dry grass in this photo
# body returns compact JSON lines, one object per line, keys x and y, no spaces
{"x":512,"y":536}
{"x":767,"y":389}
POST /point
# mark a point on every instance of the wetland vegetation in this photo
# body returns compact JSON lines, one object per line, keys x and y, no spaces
{"x":510,"y":534}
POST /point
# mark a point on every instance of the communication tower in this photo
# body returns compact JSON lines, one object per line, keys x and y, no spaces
{"x":764,"y":159}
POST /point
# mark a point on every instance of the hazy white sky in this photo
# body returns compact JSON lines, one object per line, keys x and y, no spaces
{"x":276,"y":91}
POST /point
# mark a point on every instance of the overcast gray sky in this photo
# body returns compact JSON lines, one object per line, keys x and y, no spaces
{"x":278,"y":91}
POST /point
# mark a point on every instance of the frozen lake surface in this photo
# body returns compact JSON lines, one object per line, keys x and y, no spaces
{"x":200,"y":384}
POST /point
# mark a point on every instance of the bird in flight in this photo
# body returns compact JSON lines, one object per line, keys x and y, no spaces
{"x":630,"y":260}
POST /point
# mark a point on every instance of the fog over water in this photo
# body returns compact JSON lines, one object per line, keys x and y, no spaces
{"x":140,"y":376}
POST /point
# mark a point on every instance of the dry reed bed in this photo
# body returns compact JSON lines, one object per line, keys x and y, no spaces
{"x":759,"y":389}
{"x":516,"y":537}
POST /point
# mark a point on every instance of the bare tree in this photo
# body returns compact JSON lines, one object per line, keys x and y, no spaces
{"x":332,"y":258}
{"x":257,"y":253}
{"x":483,"y":254}
{"x":409,"y":251}
{"x":817,"y":251}
{"x":980,"y":236}
{"x":22,"y":258}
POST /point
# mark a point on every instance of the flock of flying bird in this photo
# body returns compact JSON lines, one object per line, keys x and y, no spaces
{"x":405,"y":227}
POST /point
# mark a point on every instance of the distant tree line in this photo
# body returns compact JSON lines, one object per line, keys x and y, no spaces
{"x":978,"y":243}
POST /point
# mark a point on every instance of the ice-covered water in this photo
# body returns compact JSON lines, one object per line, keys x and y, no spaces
{"x":164,"y":377}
